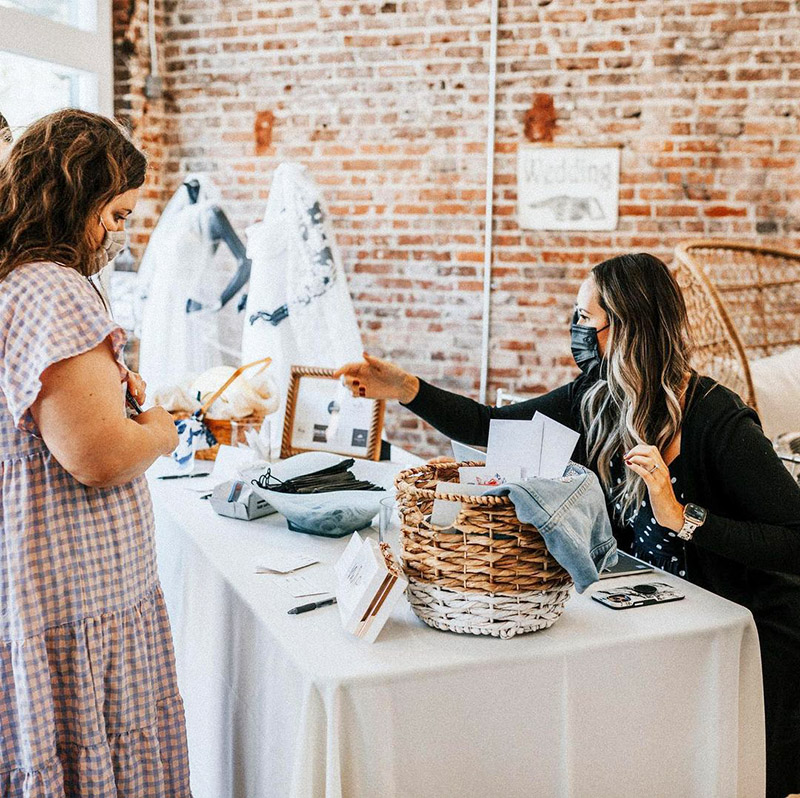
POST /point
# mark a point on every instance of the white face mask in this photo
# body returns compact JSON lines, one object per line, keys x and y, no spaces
{"x":113,"y":243}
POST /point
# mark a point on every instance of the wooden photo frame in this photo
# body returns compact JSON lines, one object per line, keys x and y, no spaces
{"x":323,"y":416}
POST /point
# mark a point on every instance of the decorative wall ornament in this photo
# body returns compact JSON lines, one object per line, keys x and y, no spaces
{"x":263,"y":131}
{"x":540,"y":118}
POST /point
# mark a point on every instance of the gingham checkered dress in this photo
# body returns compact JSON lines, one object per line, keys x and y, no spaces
{"x":89,"y":704}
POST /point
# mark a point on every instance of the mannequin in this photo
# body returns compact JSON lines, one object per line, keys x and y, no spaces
{"x":184,"y":275}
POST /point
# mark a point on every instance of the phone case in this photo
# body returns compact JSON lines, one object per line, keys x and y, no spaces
{"x":624,"y":598}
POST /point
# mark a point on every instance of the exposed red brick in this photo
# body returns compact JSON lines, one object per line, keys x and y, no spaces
{"x":388,"y":110}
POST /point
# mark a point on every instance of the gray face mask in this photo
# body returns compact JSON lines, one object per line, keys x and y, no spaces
{"x":113,"y":243}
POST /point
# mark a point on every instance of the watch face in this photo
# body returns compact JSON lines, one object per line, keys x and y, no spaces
{"x":694,"y":513}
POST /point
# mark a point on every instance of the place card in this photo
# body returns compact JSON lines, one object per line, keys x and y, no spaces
{"x":369,"y":583}
{"x":284,"y":562}
{"x":300,"y":587}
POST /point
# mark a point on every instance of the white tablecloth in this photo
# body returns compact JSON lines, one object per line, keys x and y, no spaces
{"x":659,"y":701}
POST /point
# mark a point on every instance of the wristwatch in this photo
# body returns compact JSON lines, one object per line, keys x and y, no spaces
{"x":693,"y":517}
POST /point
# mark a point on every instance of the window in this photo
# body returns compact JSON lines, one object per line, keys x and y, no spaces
{"x":30,"y":88}
{"x":54,"y":54}
{"x":78,"y":13}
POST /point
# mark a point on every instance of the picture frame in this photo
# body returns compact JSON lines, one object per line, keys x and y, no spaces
{"x":323,"y":416}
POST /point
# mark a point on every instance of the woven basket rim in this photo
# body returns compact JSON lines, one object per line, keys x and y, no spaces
{"x":403,"y":484}
{"x":180,"y":414}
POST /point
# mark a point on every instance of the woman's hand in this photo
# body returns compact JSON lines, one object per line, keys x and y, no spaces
{"x":648,"y":463}
{"x":161,"y":425}
{"x":373,"y":378}
{"x":137,"y":386}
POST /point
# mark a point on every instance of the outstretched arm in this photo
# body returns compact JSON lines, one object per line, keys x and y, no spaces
{"x":458,"y":417}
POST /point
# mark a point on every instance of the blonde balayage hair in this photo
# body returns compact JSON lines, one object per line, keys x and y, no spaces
{"x":637,"y":399}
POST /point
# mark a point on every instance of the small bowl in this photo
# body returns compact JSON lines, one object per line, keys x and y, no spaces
{"x":333,"y":514}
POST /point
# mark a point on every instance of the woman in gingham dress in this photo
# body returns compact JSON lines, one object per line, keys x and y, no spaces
{"x":89,"y":704}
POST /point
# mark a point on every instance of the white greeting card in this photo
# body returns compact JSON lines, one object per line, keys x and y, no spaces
{"x":301,"y":586}
{"x":467,"y":454}
{"x":284,"y":562}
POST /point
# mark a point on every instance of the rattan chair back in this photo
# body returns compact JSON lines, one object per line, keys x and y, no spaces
{"x":743,"y":303}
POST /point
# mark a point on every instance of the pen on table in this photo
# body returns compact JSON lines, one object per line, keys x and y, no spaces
{"x":184,"y":476}
{"x":312,"y":606}
{"x":131,"y":400}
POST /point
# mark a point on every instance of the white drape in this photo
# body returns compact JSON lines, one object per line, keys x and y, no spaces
{"x":180,"y":263}
{"x":297,"y":269}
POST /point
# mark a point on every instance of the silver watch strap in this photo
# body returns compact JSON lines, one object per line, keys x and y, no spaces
{"x":686,"y":532}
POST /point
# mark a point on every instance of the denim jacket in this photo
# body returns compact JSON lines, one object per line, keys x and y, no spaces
{"x":570,"y":514}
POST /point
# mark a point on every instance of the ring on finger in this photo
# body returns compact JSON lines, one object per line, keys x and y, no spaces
{"x":655,"y":466}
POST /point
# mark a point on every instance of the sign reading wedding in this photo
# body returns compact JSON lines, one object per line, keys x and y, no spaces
{"x":567,"y":188}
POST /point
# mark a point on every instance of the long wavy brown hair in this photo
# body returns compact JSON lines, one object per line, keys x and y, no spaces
{"x":61,"y":172}
{"x":638,"y":396}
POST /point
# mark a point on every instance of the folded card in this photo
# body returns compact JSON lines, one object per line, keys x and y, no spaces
{"x":369,"y":582}
{"x":467,"y":454}
{"x":301,"y":586}
{"x":284,"y":562}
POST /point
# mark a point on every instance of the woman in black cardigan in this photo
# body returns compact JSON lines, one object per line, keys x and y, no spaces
{"x":692,"y":484}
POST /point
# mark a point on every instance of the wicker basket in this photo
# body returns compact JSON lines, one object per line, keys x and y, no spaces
{"x":221,"y":428}
{"x":488,"y":574}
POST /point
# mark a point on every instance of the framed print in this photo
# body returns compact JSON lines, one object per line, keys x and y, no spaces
{"x":323,"y":416}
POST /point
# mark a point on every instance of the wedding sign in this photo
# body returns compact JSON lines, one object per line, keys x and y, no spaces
{"x":567,"y":188}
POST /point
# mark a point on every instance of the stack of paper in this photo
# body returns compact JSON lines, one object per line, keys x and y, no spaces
{"x":517,"y":450}
{"x":369,"y":583}
{"x":541,"y":447}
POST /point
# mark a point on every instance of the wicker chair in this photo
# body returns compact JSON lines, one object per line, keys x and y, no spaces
{"x":743,"y":303}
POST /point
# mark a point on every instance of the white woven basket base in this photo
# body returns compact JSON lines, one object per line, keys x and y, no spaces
{"x":501,"y":615}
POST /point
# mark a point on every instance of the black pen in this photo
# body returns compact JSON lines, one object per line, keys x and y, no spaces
{"x":312,"y":606}
{"x":184,"y":476}
{"x":131,"y":400}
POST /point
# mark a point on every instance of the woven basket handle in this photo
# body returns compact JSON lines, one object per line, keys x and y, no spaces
{"x":265,"y":361}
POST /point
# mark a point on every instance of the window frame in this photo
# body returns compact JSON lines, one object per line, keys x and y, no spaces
{"x":89,"y":50}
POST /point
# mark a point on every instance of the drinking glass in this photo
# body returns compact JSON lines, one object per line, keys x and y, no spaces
{"x":385,"y":515}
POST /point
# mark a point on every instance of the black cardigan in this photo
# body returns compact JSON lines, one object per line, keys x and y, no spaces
{"x":748,"y":550}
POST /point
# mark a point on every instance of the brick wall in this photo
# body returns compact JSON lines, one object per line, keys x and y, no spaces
{"x":386,"y":103}
{"x":145,"y":118}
